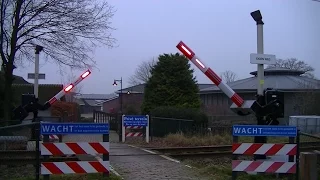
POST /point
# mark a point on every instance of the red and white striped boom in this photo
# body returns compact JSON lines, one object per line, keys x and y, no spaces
{"x":236,"y":99}
{"x":69,"y":87}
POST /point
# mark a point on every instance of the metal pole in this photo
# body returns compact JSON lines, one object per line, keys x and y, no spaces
{"x":260,"y":69}
{"x":121,"y":96}
{"x":256,"y":15}
{"x":36,"y":71}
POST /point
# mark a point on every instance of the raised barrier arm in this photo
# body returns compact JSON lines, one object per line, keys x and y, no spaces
{"x":67,"y":89}
{"x":22,"y":111}
{"x":239,"y":106}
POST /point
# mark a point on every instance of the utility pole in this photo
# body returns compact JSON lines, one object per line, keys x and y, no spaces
{"x":36,"y":70}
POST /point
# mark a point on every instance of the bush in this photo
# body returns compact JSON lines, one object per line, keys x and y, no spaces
{"x":70,"y":108}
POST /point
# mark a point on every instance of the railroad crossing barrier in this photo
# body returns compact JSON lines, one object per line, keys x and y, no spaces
{"x":268,"y":149}
{"x":73,"y":148}
{"x":135,"y":122}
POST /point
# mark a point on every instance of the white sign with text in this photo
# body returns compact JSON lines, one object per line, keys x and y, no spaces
{"x":262,"y":59}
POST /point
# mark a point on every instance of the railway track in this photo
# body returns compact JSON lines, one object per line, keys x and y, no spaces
{"x":26,"y":157}
{"x":216,"y":151}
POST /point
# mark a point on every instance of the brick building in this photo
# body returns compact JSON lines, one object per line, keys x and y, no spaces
{"x":132,"y":98}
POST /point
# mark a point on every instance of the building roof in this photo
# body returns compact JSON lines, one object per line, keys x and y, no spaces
{"x":140,"y":88}
{"x":94,"y":96}
{"x":277,"y":78}
{"x":92,"y":99}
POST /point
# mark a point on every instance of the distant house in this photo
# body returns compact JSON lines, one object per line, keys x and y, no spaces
{"x":90,"y":102}
{"x":296,"y":87}
{"x":132,"y":98}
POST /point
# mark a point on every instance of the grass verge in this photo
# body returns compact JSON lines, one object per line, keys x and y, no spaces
{"x":220,"y":169}
{"x":183,"y":140}
{"x":75,"y":177}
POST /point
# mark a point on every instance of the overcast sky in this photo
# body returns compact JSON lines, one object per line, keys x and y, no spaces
{"x":221,"y":32}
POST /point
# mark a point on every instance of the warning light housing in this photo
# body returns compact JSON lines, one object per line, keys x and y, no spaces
{"x":68,"y":88}
{"x":85,"y":74}
{"x":185,"y":50}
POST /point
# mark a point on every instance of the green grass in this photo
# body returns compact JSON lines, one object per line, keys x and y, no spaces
{"x":74,"y":177}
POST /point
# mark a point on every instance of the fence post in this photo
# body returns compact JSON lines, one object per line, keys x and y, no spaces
{"x":37,"y":138}
{"x":94,"y":116}
{"x":147,"y":129}
{"x":60,"y":121}
{"x":119,"y":120}
{"x":291,"y":158}
{"x":298,"y":156}
{"x":151,"y":126}
{"x":235,"y":139}
{"x":105,"y":157}
{"x":46,"y":158}
{"x":308,"y":166}
{"x":123,"y":130}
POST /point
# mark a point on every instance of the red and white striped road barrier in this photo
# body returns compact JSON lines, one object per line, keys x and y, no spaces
{"x":210,"y":74}
{"x":69,"y":148}
{"x":52,"y":137}
{"x":134,"y":127}
{"x":75,"y":167}
{"x":134,"y":134}
{"x":264,"y":149}
{"x":264,"y":166}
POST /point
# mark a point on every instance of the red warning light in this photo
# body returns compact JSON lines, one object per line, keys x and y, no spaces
{"x":85,"y":74}
{"x":68,"y":88}
{"x":185,"y":50}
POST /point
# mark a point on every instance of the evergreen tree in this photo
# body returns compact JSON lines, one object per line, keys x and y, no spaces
{"x":171,"y":84}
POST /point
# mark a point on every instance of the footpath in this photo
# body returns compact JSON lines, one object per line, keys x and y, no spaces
{"x":136,"y":164}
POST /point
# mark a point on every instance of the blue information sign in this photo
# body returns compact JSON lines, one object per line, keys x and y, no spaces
{"x":135,"y":120}
{"x":74,"y":128}
{"x":264,"y":130}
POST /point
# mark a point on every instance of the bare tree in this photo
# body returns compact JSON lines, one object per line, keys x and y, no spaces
{"x":69,"y":30}
{"x":142,"y":73}
{"x":293,"y":63}
{"x":228,"y":76}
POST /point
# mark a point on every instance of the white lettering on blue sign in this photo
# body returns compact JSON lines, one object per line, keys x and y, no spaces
{"x":264,"y":130}
{"x":135,"y":120}
{"x":57,"y":129}
{"x":74,"y":128}
{"x":249,"y":130}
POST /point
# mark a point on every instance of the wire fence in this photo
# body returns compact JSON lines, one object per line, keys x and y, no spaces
{"x":17,"y":151}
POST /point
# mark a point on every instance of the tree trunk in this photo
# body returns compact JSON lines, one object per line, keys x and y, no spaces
{"x":8,"y":93}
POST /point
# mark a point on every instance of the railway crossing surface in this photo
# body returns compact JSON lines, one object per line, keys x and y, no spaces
{"x":135,"y":164}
